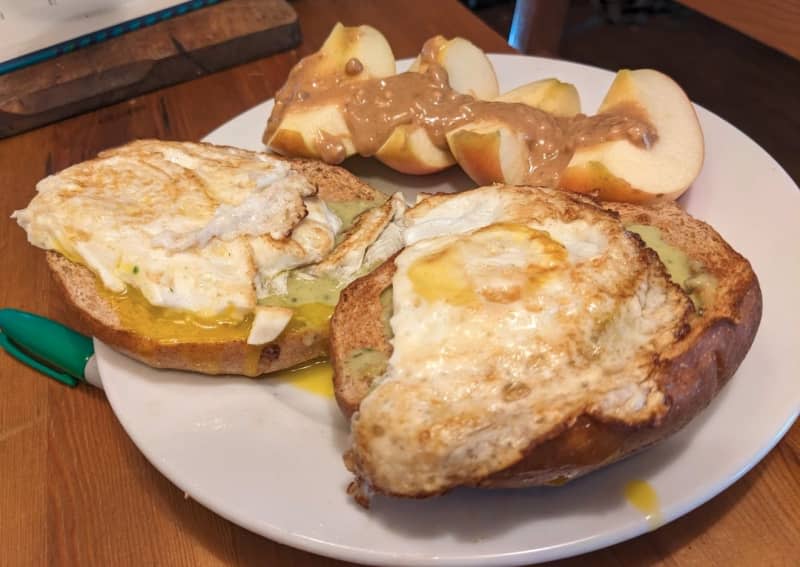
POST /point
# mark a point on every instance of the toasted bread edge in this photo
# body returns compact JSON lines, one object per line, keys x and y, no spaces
{"x":691,"y":374}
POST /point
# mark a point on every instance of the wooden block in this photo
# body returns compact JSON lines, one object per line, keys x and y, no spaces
{"x":176,"y":50}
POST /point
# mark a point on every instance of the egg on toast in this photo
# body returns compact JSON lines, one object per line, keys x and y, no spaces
{"x":527,"y":336}
{"x":201,"y":257}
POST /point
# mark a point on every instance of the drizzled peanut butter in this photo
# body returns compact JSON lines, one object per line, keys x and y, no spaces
{"x":353,"y":67}
{"x":330,"y":147}
{"x":373,"y":108}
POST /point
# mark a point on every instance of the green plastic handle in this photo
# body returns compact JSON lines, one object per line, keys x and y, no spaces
{"x":45,"y":345}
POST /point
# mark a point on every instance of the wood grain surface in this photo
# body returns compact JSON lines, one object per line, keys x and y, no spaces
{"x":774,"y":22}
{"x":144,"y":60}
{"x":74,"y":490}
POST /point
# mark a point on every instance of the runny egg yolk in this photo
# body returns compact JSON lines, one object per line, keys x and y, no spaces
{"x":315,"y":377}
{"x":310,"y":315}
{"x":172,"y":326}
{"x":500,"y":263}
{"x":642,"y":496}
{"x":168,"y":325}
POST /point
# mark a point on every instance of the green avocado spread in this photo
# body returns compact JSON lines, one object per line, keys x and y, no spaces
{"x":348,"y":211}
{"x":687,"y":273}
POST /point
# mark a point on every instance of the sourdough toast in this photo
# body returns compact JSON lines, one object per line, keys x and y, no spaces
{"x":211,"y":355}
{"x":689,"y":371}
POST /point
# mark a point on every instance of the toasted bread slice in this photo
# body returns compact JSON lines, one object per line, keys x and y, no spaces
{"x":689,"y":371}
{"x":84,"y":293}
{"x":215,"y":356}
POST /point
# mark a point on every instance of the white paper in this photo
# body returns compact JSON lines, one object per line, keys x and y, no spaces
{"x":27,"y":26}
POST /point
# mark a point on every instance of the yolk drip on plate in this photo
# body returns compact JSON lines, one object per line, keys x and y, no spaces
{"x":315,"y":377}
{"x":641,"y":495}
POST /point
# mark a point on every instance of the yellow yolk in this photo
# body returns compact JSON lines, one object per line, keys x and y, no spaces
{"x":169,"y":325}
{"x":643,"y":497}
{"x":441,"y":276}
{"x":449,"y":275}
{"x":315,"y":377}
{"x":310,"y":315}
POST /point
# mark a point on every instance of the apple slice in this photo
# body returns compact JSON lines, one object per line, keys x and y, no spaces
{"x":308,"y":130}
{"x":409,"y":149}
{"x":490,"y":152}
{"x":550,"y":95}
{"x":344,"y":43}
{"x":469,"y":70}
{"x":303,"y":133}
{"x":622,"y":171}
{"x":494,"y":152}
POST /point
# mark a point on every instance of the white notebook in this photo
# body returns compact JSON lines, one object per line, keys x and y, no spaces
{"x":35,"y":30}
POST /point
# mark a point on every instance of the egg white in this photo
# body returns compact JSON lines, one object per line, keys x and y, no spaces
{"x":194,"y":227}
{"x":479,"y":367}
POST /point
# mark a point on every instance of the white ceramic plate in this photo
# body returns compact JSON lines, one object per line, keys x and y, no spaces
{"x":267,"y":455}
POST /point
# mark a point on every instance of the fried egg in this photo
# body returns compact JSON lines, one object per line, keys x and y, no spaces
{"x":515,"y":310}
{"x":374,"y":237}
{"x":206,"y":229}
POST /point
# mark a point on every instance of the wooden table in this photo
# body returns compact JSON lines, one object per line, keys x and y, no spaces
{"x":73,"y":488}
{"x":774,"y":22}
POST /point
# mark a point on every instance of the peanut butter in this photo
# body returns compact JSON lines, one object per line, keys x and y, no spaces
{"x":330,"y":147}
{"x":373,"y":108}
{"x":353,"y":67}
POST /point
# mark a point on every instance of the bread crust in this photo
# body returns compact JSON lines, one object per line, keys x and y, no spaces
{"x":353,"y":328}
{"x":98,"y":318}
{"x":690,"y":373}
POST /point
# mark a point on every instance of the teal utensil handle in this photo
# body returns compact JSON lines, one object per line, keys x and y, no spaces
{"x":45,"y":345}
{"x":11,"y":349}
